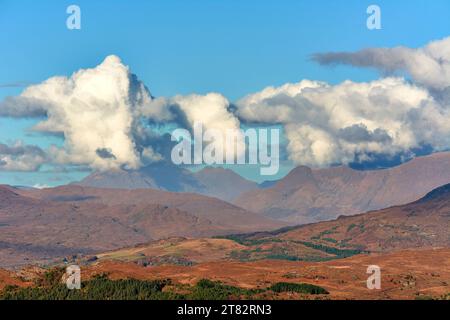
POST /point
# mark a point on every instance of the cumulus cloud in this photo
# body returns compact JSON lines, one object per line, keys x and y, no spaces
{"x":339,"y":124}
{"x":428,"y":66}
{"x":103,"y":114}
{"x":109,"y":119}
{"x":92,"y":109}
{"x":212,"y":111}
{"x":20,"y":157}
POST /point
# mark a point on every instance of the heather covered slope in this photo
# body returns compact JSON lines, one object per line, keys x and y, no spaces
{"x":409,"y":242}
{"x":406,"y":274}
{"x":43,"y":224}
{"x":310,"y":195}
{"x":421,"y":224}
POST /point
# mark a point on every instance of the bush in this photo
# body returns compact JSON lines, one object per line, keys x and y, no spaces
{"x":214,"y":290}
{"x":98,"y":288}
{"x":51,"y":277}
{"x":297,"y":287}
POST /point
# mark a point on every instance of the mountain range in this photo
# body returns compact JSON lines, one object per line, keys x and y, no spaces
{"x":409,"y":242}
{"x":221,"y":183}
{"x":308,"y":195}
{"x":424,"y":223}
{"x":43,"y":224}
{"x":305,"y":195}
{"x":421,"y":225}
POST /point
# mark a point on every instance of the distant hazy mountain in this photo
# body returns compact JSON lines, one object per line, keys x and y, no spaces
{"x":216,"y":182}
{"x":309,"y":195}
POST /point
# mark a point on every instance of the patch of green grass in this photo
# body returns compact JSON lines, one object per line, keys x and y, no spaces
{"x":424,"y":297}
{"x":324,"y":233}
{"x":350,"y":227}
{"x":281,"y":256}
{"x":340,"y":253}
{"x":245,"y":240}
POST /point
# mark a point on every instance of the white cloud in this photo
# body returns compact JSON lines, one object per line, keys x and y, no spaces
{"x":101,"y":112}
{"x":20,"y":157}
{"x":428,"y":66}
{"x":93,"y":109}
{"x":326,"y":124}
{"x":210,"y":110}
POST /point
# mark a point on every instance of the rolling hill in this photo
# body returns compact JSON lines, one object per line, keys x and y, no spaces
{"x":406,"y":274}
{"x":42,"y":224}
{"x":410,"y":243}
{"x":423,"y":224}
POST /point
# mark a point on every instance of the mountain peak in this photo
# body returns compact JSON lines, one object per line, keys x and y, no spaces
{"x":220,"y":183}
{"x":297,"y":176}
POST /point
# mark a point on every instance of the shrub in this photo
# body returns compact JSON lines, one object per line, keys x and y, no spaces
{"x":214,"y":290}
{"x":98,"y":288}
{"x":297,"y":287}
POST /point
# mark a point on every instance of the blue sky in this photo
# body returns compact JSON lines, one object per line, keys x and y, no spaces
{"x":181,"y":47}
